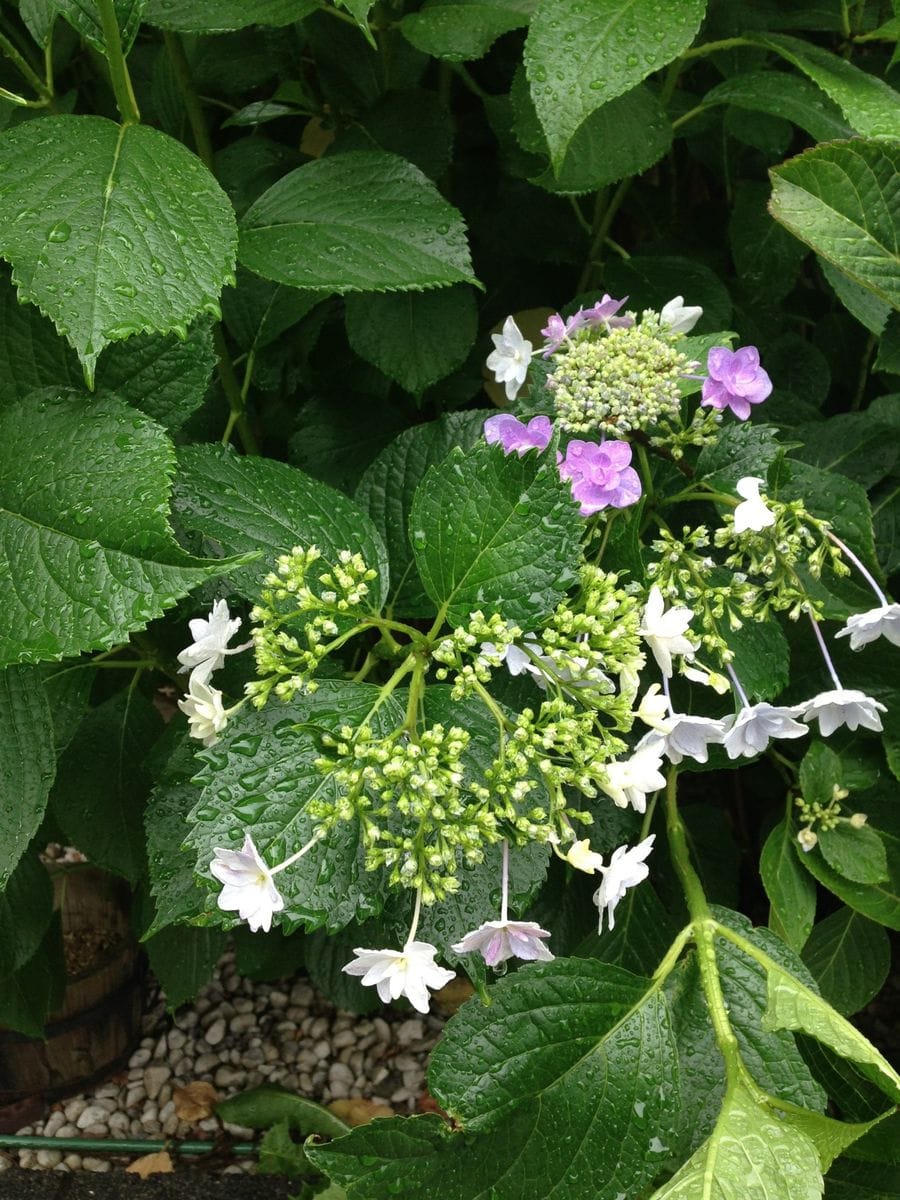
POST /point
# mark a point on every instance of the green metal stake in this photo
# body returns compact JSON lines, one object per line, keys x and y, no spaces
{"x":17,"y":1141}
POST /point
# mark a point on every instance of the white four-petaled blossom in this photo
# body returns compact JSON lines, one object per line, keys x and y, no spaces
{"x":843,"y":706}
{"x":752,"y":514}
{"x":210,"y":645}
{"x":633,"y":779}
{"x":582,"y":857}
{"x":204,"y":710}
{"x":863,"y":628}
{"x":691,"y":737}
{"x":751,"y":729}
{"x":626,"y":869}
{"x":510,"y":357}
{"x":409,"y":972}
{"x":680,"y":317}
{"x":663,"y":631}
{"x":499,"y":940}
{"x":248,"y":888}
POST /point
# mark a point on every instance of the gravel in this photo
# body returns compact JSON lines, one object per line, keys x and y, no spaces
{"x":239,"y":1034}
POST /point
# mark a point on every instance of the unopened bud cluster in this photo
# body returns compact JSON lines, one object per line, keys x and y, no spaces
{"x":294,"y":623}
{"x":824,"y":816}
{"x":614,"y":380}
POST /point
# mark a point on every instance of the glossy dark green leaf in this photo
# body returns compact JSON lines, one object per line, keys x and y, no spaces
{"x":849,"y":957}
{"x":213,"y":16}
{"x":457,"y":30}
{"x":856,"y":854}
{"x":791,"y":891}
{"x":27,"y":762}
{"x":183,"y":959}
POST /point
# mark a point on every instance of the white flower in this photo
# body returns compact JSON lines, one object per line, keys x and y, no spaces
{"x":630,"y":781}
{"x":690,"y":737}
{"x":753,"y":513}
{"x":863,"y":628}
{"x":516,"y":658}
{"x":680,"y":317}
{"x":408,"y":972}
{"x":626,"y":869}
{"x":510,"y":357}
{"x":751,"y":729}
{"x":707,"y":678}
{"x":248,"y":889}
{"x":843,"y":706}
{"x":204,"y":710}
{"x":654,"y":709}
{"x":582,"y":857}
{"x":210,"y":645}
{"x":499,"y":940}
{"x":664,"y":631}
{"x":807,"y":840}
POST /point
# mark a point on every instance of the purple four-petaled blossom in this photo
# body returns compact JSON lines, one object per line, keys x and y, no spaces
{"x":601,"y":475}
{"x":556,"y":331}
{"x":512,"y":434}
{"x":604,"y":313}
{"x":736,"y":380}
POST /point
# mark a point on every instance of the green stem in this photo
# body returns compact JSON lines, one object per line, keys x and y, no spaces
{"x":118,"y":70}
{"x":337,"y":12}
{"x":689,"y":115}
{"x":416,"y":692}
{"x":715,"y":47}
{"x":466,"y":79}
{"x":20,"y":101}
{"x":24,"y":68}
{"x":856,"y":402}
{"x":673,"y":954}
{"x":237,"y":418}
{"x":603,"y":220}
{"x":712,"y":496}
{"x":196,"y":119}
{"x":704,"y":931}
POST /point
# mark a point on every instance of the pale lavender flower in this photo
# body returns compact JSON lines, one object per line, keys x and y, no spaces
{"x":750,"y":731}
{"x":408,"y":972}
{"x":601,"y":475}
{"x":499,"y":940}
{"x":510,"y":357}
{"x":843,"y":706}
{"x":248,"y":888}
{"x":604,"y":313}
{"x":736,"y":380}
{"x":513,"y":435}
{"x":626,"y":869}
{"x":210,"y":645}
{"x":865,"y":627}
{"x":556,"y":331}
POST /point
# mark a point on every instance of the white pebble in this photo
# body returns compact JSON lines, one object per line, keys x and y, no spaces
{"x":154,"y":1078}
{"x":92,"y":1115}
{"x":215,"y":1033}
{"x":49,"y":1158}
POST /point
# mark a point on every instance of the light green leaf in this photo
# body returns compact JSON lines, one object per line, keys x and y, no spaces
{"x":868,"y":309}
{"x":27,"y":762}
{"x":562,"y":1070}
{"x":260,"y":780}
{"x":783,"y":95}
{"x":387,"y":490}
{"x":415,"y":339}
{"x":457,"y":30}
{"x":849,"y":956}
{"x":263,"y":1106}
{"x":217,"y":16}
{"x":358,"y":222}
{"x":857,"y":854}
{"x":791,"y":892}
{"x":84,"y":17}
{"x":841,"y":199}
{"x":870,"y":105}
{"x":254,"y":504}
{"x":111,"y":230}
{"x":495,"y":532}
{"x":579,"y":56}
{"x":88,"y":552}
{"x":279,"y":1154}
{"x":183,"y":959}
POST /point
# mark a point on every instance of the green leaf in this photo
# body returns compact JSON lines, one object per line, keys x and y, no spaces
{"x":739,"y":450}
{"x":849,"y":1180}
{"x":263,"y":1106}
{"x":269,"y":507}
{"x":111,"y":229}
{"x":358,"y":222}
{"x":388,"y":488}
{"x":783,"y":95}
{"x":84,"y":487}
{"x":26,"y":910}
{"x":260,"y":780}
{"x":870,"y":105}
{"x":27,"y":762}
{"x":888,"y":357}
{"x":28,"y":995}
{"x":649,"y":280}
{"x":338,"y":438}
{"x":868,"y":309}
{"x":39,"y":16}
{"x":183,"y":960}
{"x":791,"y":892}
{"x":857,"y":854}
{"x":863,"y":446}
{"x":879,"y":901}
{"x":216,"y":16}
{"x":840,"y":200}
{"x":103,"y":782}
{"x":578,"y":56}
{"x":414,"y":339}
{"x":457,"y":30}
{"x":761,"y":658}
{"x":820,"y":774}
{"x":172,"y":882}
{"x":279,"y":1154}
{"x":849,"y":957}
{"x":835,"y":499}
{"x":328,"y":954}
{"x":257,"y":311}
{"x":793,"y":1006}
{"x":272,"y":957}
{"x":495,"y":532}
{"x":571,"y":1068}
{"x":766,"y":257}
{"x":84,"y":17}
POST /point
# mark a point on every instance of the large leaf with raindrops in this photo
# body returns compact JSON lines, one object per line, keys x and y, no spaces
{"x":86,"y":551}
{"x":566,"y":1084}
{"x":112,"y":229}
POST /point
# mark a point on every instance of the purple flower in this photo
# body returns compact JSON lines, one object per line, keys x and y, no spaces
{"x":556,"y":331}
{"x":499,"y":940}
{"x":736,"y":380}
{"x":604,"y":313}
{"x":513,"y":435}
{"x":601,"y":475}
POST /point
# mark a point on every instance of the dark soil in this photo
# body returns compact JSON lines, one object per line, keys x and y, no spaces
{"x":182,"y":1185}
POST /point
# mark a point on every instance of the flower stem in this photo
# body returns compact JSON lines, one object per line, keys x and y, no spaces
{"x":118,"y":70}
{"x":415,"y":917}
{"x":860,"y":566}
{"x":28,"y":74}
{"x":742,"y":695}
{"x":504,"y":881}
{"x":828,"y":663}
{"x":289,"y":862}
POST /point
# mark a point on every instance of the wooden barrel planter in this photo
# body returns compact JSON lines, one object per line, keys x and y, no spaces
{"x":95,"y":1029}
